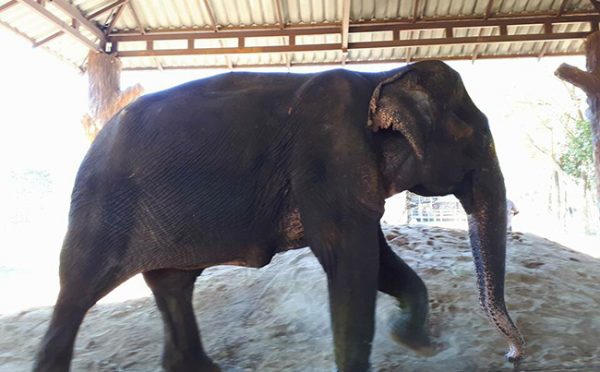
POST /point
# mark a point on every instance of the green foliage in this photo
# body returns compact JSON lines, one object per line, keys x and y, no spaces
{"x":576,"y":157}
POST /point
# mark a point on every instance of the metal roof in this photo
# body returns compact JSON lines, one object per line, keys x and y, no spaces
{"x":150,"y":34}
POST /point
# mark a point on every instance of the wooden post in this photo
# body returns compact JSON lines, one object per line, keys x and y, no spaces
{"x":105,"y":97}
{"x":589,"y":82}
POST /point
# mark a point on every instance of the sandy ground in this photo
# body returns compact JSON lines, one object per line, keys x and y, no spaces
{"x":276,"y":318}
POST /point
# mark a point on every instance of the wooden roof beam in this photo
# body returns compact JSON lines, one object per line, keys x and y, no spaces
{"x":41,"y":10}
{"x":69,"y":9}
{"x":352,"y":62}
{"x":415,"y":14}
{"x":116,"y":17}
{"x":345,"y":25}
{"x":561,"y":9}
{"x":47,"y":39}
{"x":211,"y":15}
{"x":105,"y":9}
{"x":8,"y":5}
{"x":279,"y":11}
{"x":373,"y":26}
{"x":544,"y":50}
{"x":138,"y":21}
{"x":359,"y":45}
{"x":488,"y":9}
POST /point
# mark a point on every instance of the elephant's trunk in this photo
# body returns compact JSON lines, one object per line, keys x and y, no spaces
{"x":485,"y":204}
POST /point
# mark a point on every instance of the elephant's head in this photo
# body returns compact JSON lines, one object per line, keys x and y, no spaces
{"x":434,"y":141}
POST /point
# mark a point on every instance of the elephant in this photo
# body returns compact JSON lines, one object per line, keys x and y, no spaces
{"x":232,"y":169}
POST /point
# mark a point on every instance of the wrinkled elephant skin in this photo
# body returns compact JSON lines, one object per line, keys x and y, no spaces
{"x":235,"y":168}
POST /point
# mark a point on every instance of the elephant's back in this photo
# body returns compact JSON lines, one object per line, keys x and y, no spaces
{"x":204,"y":162}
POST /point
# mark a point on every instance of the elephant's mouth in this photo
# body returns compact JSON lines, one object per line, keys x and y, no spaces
{"x":461,"y":187}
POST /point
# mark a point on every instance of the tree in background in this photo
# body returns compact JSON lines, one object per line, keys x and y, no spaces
{"x":576,"y":156}
{"x":566,"y":140}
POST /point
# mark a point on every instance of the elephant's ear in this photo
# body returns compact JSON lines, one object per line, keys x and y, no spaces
{"x":401,"y":104}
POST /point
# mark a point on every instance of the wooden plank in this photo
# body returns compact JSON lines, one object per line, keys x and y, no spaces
{"x":69,"y":9}
{"x":371,"y":26}
{"x":8,"y":5}
{"x":211,"y":15}
{"x":36,"y":7}
{"x":105,"y":9}
{"x":279,"y":11}
{"x":544,"y":49}
{"x":138,"y":22}
{"x":231,"y":50}
{"x":562,"y":8}
{"x":488,"y":9}
{"x":350,"y":62}
{"x":114,"y":19}
{"x":345,"y":24}
{"x":358,"y":45}
{"x":47,"y":39}
{"x":415,"y":13}
{"x":469,"y":40}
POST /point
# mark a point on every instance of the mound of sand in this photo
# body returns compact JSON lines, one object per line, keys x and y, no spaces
{"x":276,"y":318}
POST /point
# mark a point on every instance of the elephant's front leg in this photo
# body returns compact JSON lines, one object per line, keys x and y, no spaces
{"x":350,"y":257}
{"x":397,"y":279}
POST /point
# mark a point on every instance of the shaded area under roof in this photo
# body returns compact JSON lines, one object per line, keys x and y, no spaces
{"x":161,"y":34}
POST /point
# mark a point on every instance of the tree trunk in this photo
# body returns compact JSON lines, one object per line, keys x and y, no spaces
{"x":105,"y":97}
{"x":589,"y":82}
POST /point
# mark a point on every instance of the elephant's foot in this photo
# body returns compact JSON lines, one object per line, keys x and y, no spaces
{"x":413,"y":336}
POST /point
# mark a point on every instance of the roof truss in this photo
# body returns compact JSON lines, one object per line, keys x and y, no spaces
{"x":405,"y":33}
{"x":501,"y":34}
{"x":77,"y":20}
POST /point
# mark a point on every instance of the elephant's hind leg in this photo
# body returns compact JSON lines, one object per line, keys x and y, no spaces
{"x":56,"y":348}
{"x":173,"y":290}
{"x":397,"y":279}
{"x":83,"y":283}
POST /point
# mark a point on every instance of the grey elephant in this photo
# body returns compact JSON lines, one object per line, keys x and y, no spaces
{"x":235,"y":168}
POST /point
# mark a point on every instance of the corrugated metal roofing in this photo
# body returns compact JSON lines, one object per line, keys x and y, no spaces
{"x":148,"y":17}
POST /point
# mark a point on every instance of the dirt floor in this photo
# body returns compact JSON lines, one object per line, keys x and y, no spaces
{"x":276,"y":318}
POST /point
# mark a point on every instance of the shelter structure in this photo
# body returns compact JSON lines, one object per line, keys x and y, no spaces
{"x":162,"y":34}
{"x":183,"y":34}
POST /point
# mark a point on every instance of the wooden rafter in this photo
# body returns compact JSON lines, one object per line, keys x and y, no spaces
{"x":488,"y":9}
{"x":596,"y":4}
{"x":345,"y":25}
{"x":357,"y":45}
{"x":47,"y":39}
{"x":544,"y":49}
{"x":41,"y":10}
{"x":105,"y":9}
{"x":561,"y":9}
{"x":477,"y":47}
{"x":415,"y":14}
{"x":138,"y":21}
{"x":360,"y":62}
{"x":69,"y":9}
{"x":279,"y":11}
{"x":422,"y":23}
{"x":211,"y":15}
{"x":8,"y":5}
{"x":116,"y":17}
{"x":362,"y":26}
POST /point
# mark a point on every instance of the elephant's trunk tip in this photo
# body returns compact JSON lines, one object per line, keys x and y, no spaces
{"x":516,"y":350}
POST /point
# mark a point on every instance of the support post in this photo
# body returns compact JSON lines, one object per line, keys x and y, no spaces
{"x":589,"y":82}
{"x":105,"y":97}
